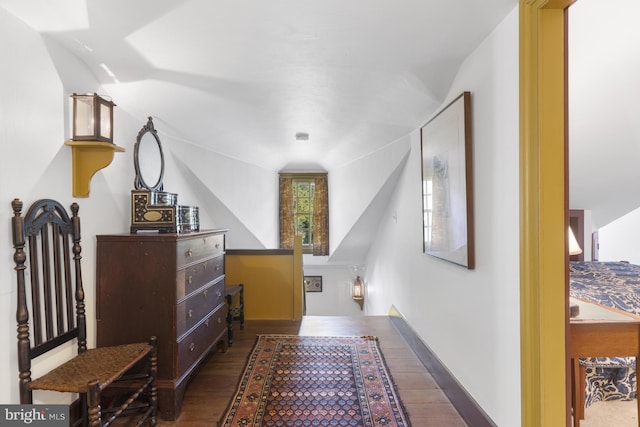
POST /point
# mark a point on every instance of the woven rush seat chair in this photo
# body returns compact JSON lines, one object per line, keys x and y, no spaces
{"x":51,"y":312}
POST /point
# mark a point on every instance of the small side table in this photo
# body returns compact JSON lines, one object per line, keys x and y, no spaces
{"x":234,"y":312}
{"x":599,"y":331}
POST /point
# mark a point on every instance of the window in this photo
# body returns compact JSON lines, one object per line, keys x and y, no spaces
{"x":304,"y":211}
{"x":303,"y":189}
{"x":427,"y":208}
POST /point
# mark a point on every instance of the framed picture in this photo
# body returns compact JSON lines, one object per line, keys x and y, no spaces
{"x":447,"y":191}
{"x":312,"y":283}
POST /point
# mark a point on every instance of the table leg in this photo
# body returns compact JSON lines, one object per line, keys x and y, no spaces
{"x":241,"y":317}
{"x":583,"y":388}
{"x":230,"y":319}
{"x":578,"y":390}
{"x":637,"y":397}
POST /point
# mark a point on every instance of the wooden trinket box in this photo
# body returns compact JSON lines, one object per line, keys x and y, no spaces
{"x":159,"y":211}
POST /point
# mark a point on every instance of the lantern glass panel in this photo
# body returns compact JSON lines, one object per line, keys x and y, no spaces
{"x":357,"y":288}
{"x":83,"y":120}
{"x":105,"y":121}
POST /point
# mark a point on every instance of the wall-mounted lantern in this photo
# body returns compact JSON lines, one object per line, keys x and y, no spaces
{"x":91,"y":139}
{"x":92,"y":118}
{"x":357,"y":291}
{"x":357,"y":284}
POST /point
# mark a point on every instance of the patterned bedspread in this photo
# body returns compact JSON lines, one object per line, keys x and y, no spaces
{"x":613,"y":284}
{"x":617,"y":285}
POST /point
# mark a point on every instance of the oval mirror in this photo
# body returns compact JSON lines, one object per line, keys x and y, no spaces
{"x":148,"y":159}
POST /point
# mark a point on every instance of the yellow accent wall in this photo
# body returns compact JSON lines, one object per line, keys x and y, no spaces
{"x":272,"y":281}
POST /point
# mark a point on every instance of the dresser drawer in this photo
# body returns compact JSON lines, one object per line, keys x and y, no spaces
{"x":195,"y":276}
{"x":197,"y":306}
{"x":192,"y":346}
{"x":199,"y":248}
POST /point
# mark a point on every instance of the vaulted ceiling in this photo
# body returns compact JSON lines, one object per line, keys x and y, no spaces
{"x":242,"y":77}
{"x":604,"y":137}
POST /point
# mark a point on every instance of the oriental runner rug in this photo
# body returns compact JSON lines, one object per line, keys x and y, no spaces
{"x":294,"y":380}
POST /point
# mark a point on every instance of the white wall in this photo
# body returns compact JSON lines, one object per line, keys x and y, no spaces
{"x":234,"y":194}
{"x":619,"y":239}
{"x":603,"y":105}
{"x":335,"y":298}
{"x":469,"y":318}
{"x":36,"y":164}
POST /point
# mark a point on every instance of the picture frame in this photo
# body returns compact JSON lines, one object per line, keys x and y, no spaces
{"x":312,"y":283}
{"x":447,"y":184}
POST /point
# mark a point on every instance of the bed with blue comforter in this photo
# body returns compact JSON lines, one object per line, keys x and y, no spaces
{"x":616,"y":285}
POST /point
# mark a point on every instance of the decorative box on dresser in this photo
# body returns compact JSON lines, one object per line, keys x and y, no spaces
{"x":169,"y":285}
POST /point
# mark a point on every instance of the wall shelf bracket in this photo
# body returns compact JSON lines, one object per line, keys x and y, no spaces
{"x":88,"y":157}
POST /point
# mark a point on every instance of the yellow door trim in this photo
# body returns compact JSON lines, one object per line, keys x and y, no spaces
{"x":543,"y":212}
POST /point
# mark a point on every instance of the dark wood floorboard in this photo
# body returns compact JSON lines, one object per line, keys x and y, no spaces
{"x":212,"y":387}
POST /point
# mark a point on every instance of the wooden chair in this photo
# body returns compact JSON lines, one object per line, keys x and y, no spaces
{"x":47,"y":243}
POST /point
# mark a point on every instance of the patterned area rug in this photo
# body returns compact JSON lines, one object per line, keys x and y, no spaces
{"x":315,"y":381}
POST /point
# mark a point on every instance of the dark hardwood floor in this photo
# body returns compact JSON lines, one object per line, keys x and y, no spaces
{"x":211,"y":388}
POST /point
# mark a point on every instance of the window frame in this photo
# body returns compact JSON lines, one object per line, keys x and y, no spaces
{"x":290,"y":226}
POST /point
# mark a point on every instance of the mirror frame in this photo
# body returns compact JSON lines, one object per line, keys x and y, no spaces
{"x":140,"y":182}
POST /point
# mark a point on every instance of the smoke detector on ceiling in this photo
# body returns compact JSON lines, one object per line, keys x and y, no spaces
{"x":302,"y":136}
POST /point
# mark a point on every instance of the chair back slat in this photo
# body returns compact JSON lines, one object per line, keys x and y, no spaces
{"x":47,"y":284}
{"x":60,"y":244}
{"x":67,"y":291}
{"x":36,"y":299}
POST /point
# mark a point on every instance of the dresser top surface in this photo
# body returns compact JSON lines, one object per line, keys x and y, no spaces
{"x":160,"y":236}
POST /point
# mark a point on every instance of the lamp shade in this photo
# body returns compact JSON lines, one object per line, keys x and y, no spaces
{"x":92,"y":118}
{"x":574,"y":247}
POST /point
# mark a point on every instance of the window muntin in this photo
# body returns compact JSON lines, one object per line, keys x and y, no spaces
{"x":303,"y":201}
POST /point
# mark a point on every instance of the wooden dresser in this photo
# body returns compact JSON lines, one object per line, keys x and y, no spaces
{"x":168,"y":285}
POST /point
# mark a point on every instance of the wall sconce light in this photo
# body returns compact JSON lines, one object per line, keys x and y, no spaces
{"x":92,"y":118}
{"x":357,"y":291}
{"x":357,"y":284}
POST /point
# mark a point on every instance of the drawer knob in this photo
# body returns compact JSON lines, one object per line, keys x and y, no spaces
{"x":192,"y":346}
{"x":206,"y":323}
{"x":218,"y":294}
{"x":189,"y":253}
{"x":217,"y":267}
{"x":190,"y":313}
{"x":219,"y":320}
{"x":205,"y":265}
{"x":217,"y":245}
{"x":190,"y":279}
